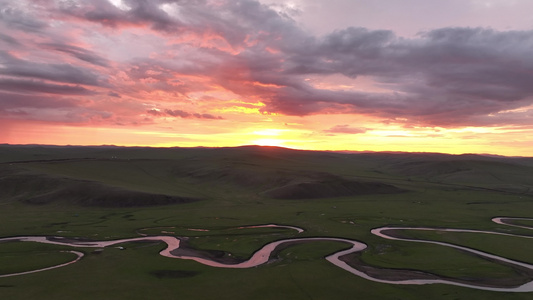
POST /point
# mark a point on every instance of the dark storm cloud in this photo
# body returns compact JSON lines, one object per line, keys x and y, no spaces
{"x":443,"y":77}
{"x":352,"y":52}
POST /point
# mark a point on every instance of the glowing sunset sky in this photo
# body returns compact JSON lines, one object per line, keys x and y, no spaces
{"x":409,"y":75}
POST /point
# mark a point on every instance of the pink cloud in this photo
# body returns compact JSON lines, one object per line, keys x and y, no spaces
{"x":182,"y":114}
{"x":345,"y":129}
{"x":173,"y":52}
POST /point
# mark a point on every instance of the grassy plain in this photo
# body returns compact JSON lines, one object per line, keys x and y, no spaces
{"x":52,"y":191}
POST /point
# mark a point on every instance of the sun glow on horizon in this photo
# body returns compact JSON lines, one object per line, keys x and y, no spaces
{"x":270,"y":142}
{"x":312,"y":133}
{"x":270,"y":132}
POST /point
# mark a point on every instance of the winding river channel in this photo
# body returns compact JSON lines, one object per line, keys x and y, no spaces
{"x":263,"y":255}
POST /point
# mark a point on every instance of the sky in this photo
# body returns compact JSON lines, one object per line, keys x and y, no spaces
{"x":451,"y":76}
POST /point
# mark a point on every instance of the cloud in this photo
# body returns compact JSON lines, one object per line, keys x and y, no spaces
{"x":79,"y":53}
{"x":59,"y":72}
{"x":137,"y":13}
{"x":346,"y":129}
{"x":235,"y":22}
{"x":14,"y":101}
{"x":186,"y":115}
{"x":113,"y":94}
{"x":16,"y":17}
{"x":49,"y":108}
{"x":182,"y":114}
{"x":452,"y":76}
{"x":78,"y":115}
{"x":444,"y":77}
{"x":8,"y":39}
{"x":155,"y":112}
{"x":27,"y":86}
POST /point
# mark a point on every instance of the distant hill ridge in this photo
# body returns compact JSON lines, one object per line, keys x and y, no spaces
{"x":111,"y":176}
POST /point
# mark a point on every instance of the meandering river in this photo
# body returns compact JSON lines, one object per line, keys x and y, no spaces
{"x":263,"y":255}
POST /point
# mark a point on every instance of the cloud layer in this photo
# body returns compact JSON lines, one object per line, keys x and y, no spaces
{"x":99,"y":62}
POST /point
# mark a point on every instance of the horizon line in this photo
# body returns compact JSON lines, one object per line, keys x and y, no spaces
{"x":264,"y":146}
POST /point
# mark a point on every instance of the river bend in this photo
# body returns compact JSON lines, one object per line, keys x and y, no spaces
{"x":263,"y":255}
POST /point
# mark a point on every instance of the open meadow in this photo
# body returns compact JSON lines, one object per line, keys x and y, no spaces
{"x":211,"y":199}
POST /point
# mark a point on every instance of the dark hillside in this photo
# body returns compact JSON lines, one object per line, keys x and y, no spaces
{"x":330,"y":188}
{"x":40,"y":189}
{"x":505,"y":174}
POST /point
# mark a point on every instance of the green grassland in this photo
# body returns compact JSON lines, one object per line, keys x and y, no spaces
{"x":103,"y":193}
